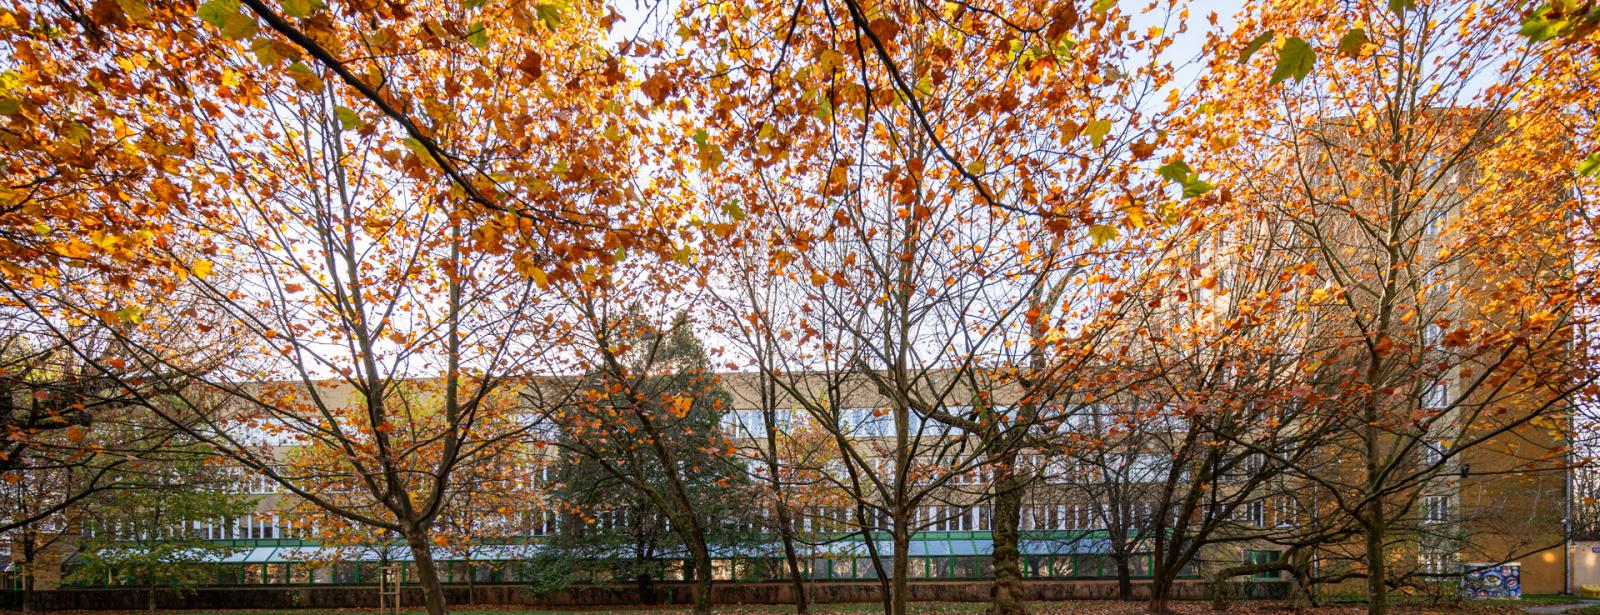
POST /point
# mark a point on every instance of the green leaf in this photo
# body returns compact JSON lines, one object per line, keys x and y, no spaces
{"x":418,"y":149}
{"x":549,"y":13}
{"x":1401,"y":6}
{"x":733,"y":210}
{"x":135,"y":10}
{"x":224,"y":15}
{"x":1255,"y":44}
{"x":266,"y":54}
{"x":1540,"y":28}
{"x":301,"y":8}
{"x":1097,"y":131}
{"x":304,"y":77}
{"x":1195,"y":187}
{"x":977,"y":167}
{"x":1294,"y":60}
{"x":1101,"y":6}
{"x":478,"y":35}
{"x":215,"y":12}
{"x":702,"y":138}
{"x":239,"y":26}
{"x":1352,"y":42}
{"x":1590,"y":167}
{"x":1176,"y":171}
{"x":348,"y":120}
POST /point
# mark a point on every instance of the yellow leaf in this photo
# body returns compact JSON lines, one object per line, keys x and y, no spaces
{"x":201,"y":268}
{"x":134,"y":315}
{"x":1102,"y":233}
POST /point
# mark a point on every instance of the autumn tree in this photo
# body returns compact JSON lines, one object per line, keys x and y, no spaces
{"x":381,"y":323}
{"x":371,"y":232}
{"x":1440,"y":264}
{"x":645,"y":420}
{"x":901,"y":161}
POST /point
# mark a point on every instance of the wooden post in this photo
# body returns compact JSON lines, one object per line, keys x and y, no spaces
{"x":389,"y":589}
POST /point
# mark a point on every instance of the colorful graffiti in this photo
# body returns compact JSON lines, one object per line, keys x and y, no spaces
{"x":1503,"y":581}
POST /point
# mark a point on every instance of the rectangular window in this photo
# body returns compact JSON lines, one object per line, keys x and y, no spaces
{"x":1253,"y":557}
{"x":1436,"y":509}
{"x":1435,"y":562}
{"x":1436,"y":396}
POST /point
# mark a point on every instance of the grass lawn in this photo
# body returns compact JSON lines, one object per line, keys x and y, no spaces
{"x":1539,"y":600}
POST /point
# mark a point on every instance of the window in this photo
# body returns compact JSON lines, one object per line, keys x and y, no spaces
{"x":1437,"y":396}
{"x":1286,"y":511}
{"x":1436,"y":509}
{"x":1432,"y":336}
{"x":1432,"y":453}
{"x":1435,"y":562}
{"x":1253,"y":557}
{"x":1253,"y":513}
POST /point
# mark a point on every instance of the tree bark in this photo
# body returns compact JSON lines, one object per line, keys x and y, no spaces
{"x":1006,"y":596}
{"x":427,"y":572}
{"x":901,"y":585}
{"x":29,"y":555}
{"x":1160,"y":587}
{"x":802,"y":603}
{"x":1377,"y":569}
{"x":647,"y":587}
{"x":702,"y":573}
{"x":769,"y":396}
{"x":1124,"y":576}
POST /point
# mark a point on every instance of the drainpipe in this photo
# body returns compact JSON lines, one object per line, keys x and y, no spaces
{"x":1566,"y":504}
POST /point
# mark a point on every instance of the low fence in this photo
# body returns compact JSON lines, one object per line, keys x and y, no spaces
{"x":363,"y":596}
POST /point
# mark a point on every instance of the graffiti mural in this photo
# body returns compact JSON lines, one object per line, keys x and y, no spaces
{"x":1502,"y":581}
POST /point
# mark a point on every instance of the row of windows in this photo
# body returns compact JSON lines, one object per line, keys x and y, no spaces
{"x":810,"y":520}
{"x":265,"y":526}
{"x":1063,"y":566}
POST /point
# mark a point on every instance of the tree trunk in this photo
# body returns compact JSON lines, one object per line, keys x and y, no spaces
{"x":150,"y":596}
{"x":1219,"y":593}
{"x":427,"y":572}
{"x":1124,"y":576}
{"x":647,"y":588}
{"x":702,"y":574}
{"x":27,"y":587}
{"x":1006,"y":594}
{"x":900,"y":584}
{"x":802,"y":603}
{"x":1377,"y":588}
{"x":1160,"y":587}
{"x":29,"y":556}
{"x":769,"y":396}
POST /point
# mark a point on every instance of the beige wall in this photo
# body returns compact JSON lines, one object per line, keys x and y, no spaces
{"x":1585,"y":563}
